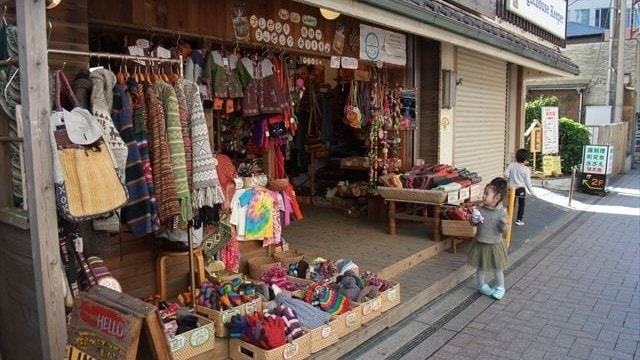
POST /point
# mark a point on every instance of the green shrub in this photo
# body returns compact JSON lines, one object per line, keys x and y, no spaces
{"x":573,"y":137}
{"x":532,"y":110}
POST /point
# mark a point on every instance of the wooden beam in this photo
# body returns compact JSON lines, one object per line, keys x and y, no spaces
{"x":34,"y":77}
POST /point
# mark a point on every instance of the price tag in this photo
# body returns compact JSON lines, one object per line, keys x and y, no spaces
{"x":326,"y":331}
{"x":392,"y":294}
{"x":163,"y":53}
{"x":143,"y":43}
{"x":452,"y":197}
{"x":335,"y":62}
{"x":177,"y":343}
{"x":228,"y":314}
{"x":136,"y":50}
{"x":200,"y":336}
{"x":225,"y":61}
{"x":367,"y":308}
{"x":251,"y":307}
{"x":291,"y":350}
{"x":350,"y":320}
{"x":377,"y":304}
{"x":79,"y":244}
{"x":379,"y":64}
{"x":349,"y":63}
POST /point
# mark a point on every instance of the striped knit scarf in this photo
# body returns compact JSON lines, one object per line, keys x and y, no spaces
{"x":186,"y":133}
{"x":176,"y":144}
{"x":206,"y":186}
{"x":163,"y":175}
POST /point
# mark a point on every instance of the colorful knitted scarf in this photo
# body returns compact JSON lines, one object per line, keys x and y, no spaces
{"x":176,"y":144}
{"x":206,"y":190}
{"x":163,"y":175}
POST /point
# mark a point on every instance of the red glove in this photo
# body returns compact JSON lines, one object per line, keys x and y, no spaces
{"x":274,"y":333}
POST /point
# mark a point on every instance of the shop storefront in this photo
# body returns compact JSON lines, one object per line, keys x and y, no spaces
{"x":250,"y":143}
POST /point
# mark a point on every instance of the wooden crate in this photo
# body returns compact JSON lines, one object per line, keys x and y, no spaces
{"x":371,"y":309}
{"x":456,"y":228}
{"x":349,"y":321}
{"x":325,"y":335}
{"x":413,"y":195}
{"x":222,"y":318}
{"x":390,"y":297}
{"x":299,"y":349}
{"x":194,"y":343}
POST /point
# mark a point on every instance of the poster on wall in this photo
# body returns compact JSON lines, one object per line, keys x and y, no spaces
{"x":550,"y":130}
{"x":382,"y":45}
{"x":551,"y":15}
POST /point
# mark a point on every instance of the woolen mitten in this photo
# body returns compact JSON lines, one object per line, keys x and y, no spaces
{"x":274,"y":333}
{"x":237,"y":326}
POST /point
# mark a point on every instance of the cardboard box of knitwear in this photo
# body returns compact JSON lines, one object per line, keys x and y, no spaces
{"x":194,"y":343}
{"x":222,"y":318}
{"x":298,"y":349}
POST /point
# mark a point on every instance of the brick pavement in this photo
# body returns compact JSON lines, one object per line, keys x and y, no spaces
{"x":582,"y":301}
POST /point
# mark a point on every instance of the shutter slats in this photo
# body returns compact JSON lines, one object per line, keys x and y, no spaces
{"x":480,"y":114}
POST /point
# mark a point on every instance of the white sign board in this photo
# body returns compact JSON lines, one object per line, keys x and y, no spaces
{"x":550,"y":130}
{"x":349,"y":63}
{"x":597,"y":159}
{"x":551,"y":15}
{"x":382,"y":45}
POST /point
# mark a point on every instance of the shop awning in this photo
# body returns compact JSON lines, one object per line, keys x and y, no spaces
{"x":438,"y":21}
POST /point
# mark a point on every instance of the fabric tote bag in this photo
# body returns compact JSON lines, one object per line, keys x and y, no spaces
{"x":87,"y":184}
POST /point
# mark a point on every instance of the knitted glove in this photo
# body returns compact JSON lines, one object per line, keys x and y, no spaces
{"x":274,"y":333}
{"x":237,"y":326}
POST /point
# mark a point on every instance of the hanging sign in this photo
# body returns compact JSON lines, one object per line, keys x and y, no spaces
{"x":335,"y":62}
{"x":310,"y":20}
{"x":349,"y":63}
{"x":535,"y":140}
{"x":550,"y":130}
{"x":382,"y":45}
{"x":548,"y":14}
{"x":143,"y":43}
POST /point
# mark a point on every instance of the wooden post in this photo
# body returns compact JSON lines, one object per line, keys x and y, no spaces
{"x":437,"y":209}
{"x":392,"y":217}
{"x":47,"y":266}
{"x":511,"y":200}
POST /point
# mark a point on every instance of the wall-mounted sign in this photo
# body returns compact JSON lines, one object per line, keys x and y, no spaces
{"x":310,"y":20}
{"x":548,"y":14}
{"x":294,"y":17}
{"x":382,"y":45}
{"x":550,"y":130}
{"x":349,"y":63}
{"x":551,"y":165}
{"x":335,"y":62}
{"x":283,"y":14}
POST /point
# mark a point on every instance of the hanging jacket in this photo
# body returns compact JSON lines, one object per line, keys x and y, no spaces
{"x":163,"y":175}
{"x":263,"y":94}
{"x":222,"y":75}
{"x":206,"y":190}
{"x":137,"y":213}
{"x":169,"y":102}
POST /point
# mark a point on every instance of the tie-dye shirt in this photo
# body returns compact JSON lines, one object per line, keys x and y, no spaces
{"x":259,"y":221}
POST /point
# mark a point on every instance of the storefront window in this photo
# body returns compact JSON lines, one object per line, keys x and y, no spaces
{"x":582,"y":16}
{"x":602,"y":18}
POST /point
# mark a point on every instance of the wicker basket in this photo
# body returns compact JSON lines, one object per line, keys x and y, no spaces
{"x":370,"y":309}
{"x":417,"y":196}
{"x":457,"y":228}
{"x":325,"y":335}
{"x":287,"y":257}
{"x":260,"y":264}
{"x":195,"y":342}
{"x":299,"y":349}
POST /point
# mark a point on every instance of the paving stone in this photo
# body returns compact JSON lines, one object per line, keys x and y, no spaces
{"x":626,"y":346}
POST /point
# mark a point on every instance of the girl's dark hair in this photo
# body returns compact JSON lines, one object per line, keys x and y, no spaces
{"x":499,"y":186}
{"x":522,"y":155}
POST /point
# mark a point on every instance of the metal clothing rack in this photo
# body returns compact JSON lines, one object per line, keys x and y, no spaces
{"x":120,"y":56}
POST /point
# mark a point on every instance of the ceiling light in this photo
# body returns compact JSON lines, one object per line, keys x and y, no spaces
{"x":328,"y":14}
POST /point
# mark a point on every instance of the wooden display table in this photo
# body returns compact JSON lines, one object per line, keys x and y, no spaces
{"x":429,"y":198}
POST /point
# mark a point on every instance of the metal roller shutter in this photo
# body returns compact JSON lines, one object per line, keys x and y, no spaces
{"x":480,"y":114}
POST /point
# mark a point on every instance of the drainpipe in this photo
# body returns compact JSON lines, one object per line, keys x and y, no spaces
{"x":610,"y":61}
{"x":581,"y":93}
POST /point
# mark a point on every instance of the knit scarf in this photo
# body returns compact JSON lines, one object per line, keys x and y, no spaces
{"x":186,"y":132}
{"x":101,"y":104}
{"x":176,"y":144}
{"x":206,"y":186}
{"x":163,"y":175}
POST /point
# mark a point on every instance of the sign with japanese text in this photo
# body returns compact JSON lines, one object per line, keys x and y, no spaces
{"x":550,"y":130}
{"x":535,"y":141}
{"x":382,"y":45}
{"x":551,"y":165}
{"x":551,"y":15}
{"x":597,"y":159}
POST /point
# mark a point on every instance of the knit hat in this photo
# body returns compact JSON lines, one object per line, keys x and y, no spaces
{"x":349,"y":287}
{"x":333,"y":302}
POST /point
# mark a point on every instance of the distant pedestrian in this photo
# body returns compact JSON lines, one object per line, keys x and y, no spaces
{"x":518,"y":174}
{"x":488,"y":252}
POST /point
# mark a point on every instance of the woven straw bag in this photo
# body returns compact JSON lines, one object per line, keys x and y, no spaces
{"x":86,"y":182}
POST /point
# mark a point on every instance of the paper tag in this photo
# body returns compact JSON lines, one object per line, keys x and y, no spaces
{"x":326,"y":331}
{"x":367,"y":308}
{"x":251,"y":307}
{"x":163,"y":53}
{"x":136,"y":50}
{"x":335,"y":62}
{"x":377,"y":304}
{"x":78,"y":243}
{"x":143,"y":43}
{"x":452,"y":197}
{"x":392,"y":294}
{"x":379,"y":64}
{"x":351,"y":319}
{"x":228,"y":314}
{"x":225,"y":61}
{"x":349,"y":63}
{"x":291,"y":350}
{"x":177,"y":343}
{"x":200,"y":336}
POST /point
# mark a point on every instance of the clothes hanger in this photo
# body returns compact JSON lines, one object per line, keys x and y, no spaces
{"x":120,"y":76}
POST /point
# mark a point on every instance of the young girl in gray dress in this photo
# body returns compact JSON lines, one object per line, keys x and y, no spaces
{"x":488,"y":252}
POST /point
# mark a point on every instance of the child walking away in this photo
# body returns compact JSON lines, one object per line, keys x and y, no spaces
{"x":519,"y":175}
{"x":488,"y":252}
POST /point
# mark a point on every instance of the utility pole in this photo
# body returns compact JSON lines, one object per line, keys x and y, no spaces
{"x":619,"y":99}
{"x":612,"y":24}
